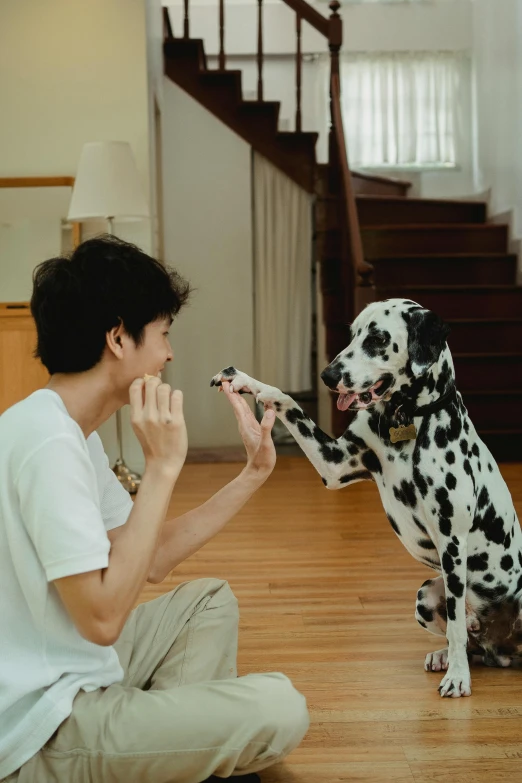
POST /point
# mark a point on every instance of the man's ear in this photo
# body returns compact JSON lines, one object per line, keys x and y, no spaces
{"x":427,"y":334}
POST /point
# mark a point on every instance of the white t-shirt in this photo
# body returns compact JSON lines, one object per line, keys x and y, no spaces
{"x":58,"y":498}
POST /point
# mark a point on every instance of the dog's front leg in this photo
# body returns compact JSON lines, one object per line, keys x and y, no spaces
{"x":457,"y":681}
{"x":338,"y":462}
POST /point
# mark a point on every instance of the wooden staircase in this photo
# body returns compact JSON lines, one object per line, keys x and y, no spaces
{"x":444,"y":255}
{"x":373,"y":242}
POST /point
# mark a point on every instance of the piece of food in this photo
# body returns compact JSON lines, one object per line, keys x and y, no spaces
{"x":148,"y":377}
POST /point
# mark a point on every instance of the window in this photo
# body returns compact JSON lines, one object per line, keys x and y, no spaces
{"x":404,"y":109}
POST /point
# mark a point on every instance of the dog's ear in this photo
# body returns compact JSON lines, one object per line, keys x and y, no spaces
{"x":427,"y":334}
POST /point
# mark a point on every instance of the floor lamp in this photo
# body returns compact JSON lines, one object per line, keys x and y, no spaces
{"x":107,"y":186}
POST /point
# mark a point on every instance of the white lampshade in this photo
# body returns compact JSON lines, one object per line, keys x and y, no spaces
{"x":107,"y":184}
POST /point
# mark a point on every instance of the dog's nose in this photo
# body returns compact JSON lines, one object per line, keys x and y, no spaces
{"x":330,"y":377}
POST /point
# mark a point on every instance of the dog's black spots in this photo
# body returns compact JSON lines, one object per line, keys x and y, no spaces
{"x":332,"y":454}
{"x":349,"y":355}
{"x":445,"y":526}
{"x":453,"y":549}
{"x":395,"y":348}
{"x":296,"y":414}
{"x":353,"y":462}
{"x":278,"y":406}
{"x":419,"y":525}
{"x":490,"y":593}
{"x":450,"y":457}
{"x":490,"y":467}
{"x":424,"y":439}
{"x":488,"y":578}
{"x":451,"y":481}
{"x":353,"y":449}
{"x":506,"y":563}
{"x":359,"y":332}
{"x":478,"y":562}
{"x":375,"y":341}
{"x":483,"y":498}
{"x":425,"y":613}
{"x":519,"y":584}
{"x":386,"y":312}
{"x":466,"y":427}
{"x":467,"y":469}
{"x":420,"y":482}
{"x":324,"y":481}
{"x":304,"y":430}
{"x":475,"y":450}
{"x":421,"y":622}
{"x":321,"y":437}
{"x":458,"y":561}
{"x":479,"y":465}
{"x":426,"y":543}
{"x":430,"y":481}
{"x":520,"y":559}
{"x":367,"y":383}
{"x":394,"y":524}
{"x":347,"y":380}
{"x":442,"y":498}
{"x":351,"y":437}
{"x":385,"y":357}
{"x":229,"y":371}
{"x":357,"y":476}
{"x":441,"y":438}
{"x":455,"y":586}
{"x":507,"y":541}
{"x":405,"y":493}
{"x":447,"y":563}
{"x":451,"y":606}
{"x":402,"y":370}
{"x":390,"y":458}
{"x":371,"y":461}
{"x":464,"y":446}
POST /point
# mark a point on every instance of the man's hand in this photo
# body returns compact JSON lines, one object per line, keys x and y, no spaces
{"x":157,"y":419}
{"x":261,"y":454}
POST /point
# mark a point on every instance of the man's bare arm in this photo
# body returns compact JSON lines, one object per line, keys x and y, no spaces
{"x":184,"y":535}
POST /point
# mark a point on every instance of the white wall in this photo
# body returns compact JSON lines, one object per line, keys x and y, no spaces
{"x":208,"y":239}
{"x":72,"y":72}
{"x":498,"y":86}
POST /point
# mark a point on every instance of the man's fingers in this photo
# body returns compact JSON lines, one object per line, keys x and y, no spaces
{"x":136,"y":395}
{"x":267,"y":423}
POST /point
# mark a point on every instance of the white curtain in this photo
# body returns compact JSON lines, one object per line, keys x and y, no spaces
{"x":404,"y":108}
{"x":282,"y":214}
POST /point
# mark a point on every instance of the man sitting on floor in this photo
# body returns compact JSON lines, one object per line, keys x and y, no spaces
{"x":90,"y":689}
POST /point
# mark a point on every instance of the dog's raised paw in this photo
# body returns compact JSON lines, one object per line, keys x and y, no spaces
{"x":437,"y":661}
{"x":228,"y":374}
{"x":456,"y":683}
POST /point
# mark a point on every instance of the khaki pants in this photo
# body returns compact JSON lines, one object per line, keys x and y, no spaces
{"x":180,"y":714}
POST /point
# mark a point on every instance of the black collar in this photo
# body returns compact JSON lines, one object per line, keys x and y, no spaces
{"x":405,"y":412}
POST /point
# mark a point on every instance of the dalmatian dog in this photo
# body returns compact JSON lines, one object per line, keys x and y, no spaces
{"x":440,"y":487}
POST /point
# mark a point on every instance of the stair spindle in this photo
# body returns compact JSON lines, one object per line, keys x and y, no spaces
{"x":186,"y":30}
{"x":298,"y":65}
{"x":222,"y":63}
{"x":260,"y":50}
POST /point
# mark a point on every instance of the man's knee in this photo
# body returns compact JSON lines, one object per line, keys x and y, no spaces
{"x":282,"y":711}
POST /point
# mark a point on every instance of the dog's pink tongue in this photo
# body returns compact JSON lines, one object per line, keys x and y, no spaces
{"x":345,"y":400}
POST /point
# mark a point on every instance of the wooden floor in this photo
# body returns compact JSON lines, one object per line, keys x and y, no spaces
{"x":327,"y":596}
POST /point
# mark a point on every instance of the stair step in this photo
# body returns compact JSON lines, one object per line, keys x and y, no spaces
{"x":189,"y":50}
{"x":490,"y":410}
{"x":487,"y":301}
{"x":361,"y":183}
{"x":488,"y":371}
{"x":305,"y":141}
{"x":264,"y":114}
{"x":458,"y":268}
{"x":382,"y":210}
{"x":490,"y":335}
{"x":384,"y":241}
{"x":224,"y":85}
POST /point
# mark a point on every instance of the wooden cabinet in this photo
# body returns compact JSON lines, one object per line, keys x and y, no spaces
{"x":20,"y":373}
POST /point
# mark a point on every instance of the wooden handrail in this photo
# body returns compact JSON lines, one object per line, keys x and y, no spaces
{"x":309,"y":14}
{"x":361,"y":267}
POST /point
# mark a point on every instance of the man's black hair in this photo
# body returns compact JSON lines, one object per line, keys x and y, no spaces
{"x":80,"y":297}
